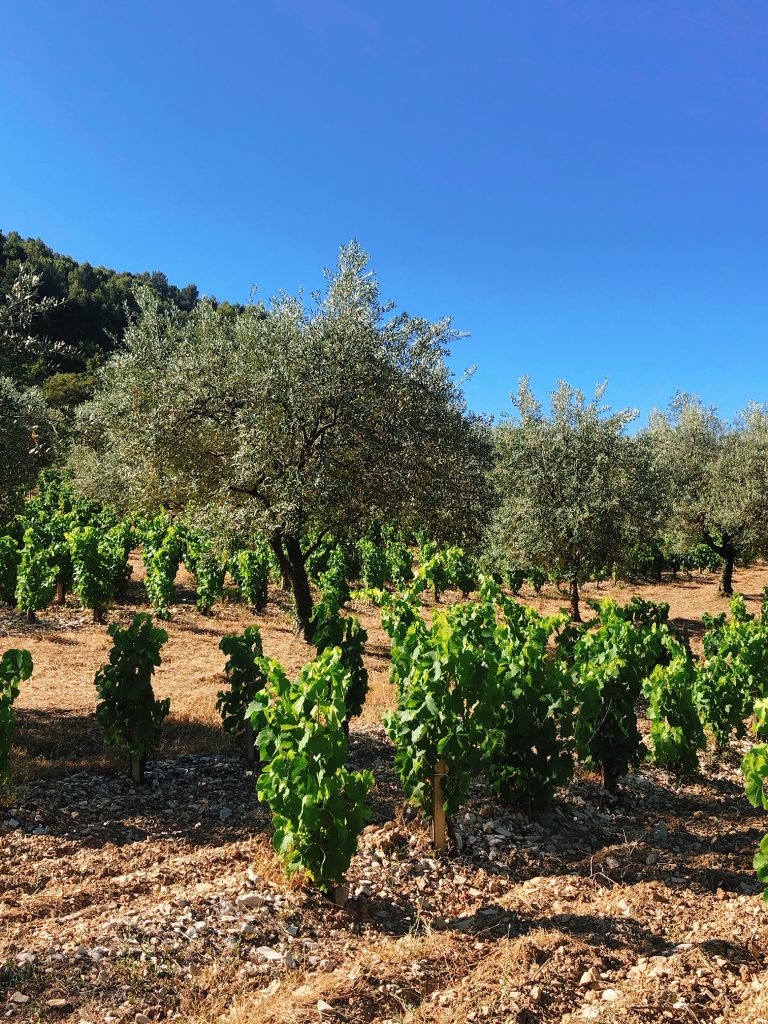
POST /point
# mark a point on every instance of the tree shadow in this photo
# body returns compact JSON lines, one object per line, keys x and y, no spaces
{"x":201,"y":789}
{"x":679,"y":855}
{"x":55,"y":742}
{"x":198,"y":785}
{"x":692,"y":628}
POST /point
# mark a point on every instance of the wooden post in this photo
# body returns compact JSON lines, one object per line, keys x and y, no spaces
{"x":248,"y":739}
{"x":438,"y":806}
{"x":137,"y":769}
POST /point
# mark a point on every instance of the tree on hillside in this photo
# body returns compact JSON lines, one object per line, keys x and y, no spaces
{"x":575,"y":490}
{"x":295,"y":422}
{"x":716,"y":479}
{"x":21,"y":308}
{"x":84,"y":311}
{"x":24,"y":445}
{"x":25,"y":436}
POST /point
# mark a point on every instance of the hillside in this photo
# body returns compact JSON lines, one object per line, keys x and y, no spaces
{"x":90,"y":318}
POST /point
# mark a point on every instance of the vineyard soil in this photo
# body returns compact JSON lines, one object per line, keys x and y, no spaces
{"x":166,"y":901}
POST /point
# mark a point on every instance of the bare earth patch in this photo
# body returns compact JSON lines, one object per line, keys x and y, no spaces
{"x":123,"y":904}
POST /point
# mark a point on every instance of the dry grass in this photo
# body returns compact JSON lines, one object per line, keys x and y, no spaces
{"x":382,"y":981}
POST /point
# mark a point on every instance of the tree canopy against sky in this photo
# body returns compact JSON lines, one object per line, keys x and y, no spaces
{"x":716,"y":479}
{"x":575,"y":490}
{"x":291,"y":420}
{"x":25,"y":436}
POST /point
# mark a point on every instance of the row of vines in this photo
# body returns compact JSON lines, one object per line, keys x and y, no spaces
{"x":489,"y":689}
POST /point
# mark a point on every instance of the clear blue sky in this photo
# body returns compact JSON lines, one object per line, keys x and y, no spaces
{"x":582,"y":185}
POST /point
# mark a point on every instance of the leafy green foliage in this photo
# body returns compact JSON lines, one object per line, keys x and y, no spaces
{"x":700,"y":557}
{"x":251,"y":571}
{"x":319,"y":549}
{"x":433,"y":568}
{"x":609,"y":666}
{"x":676,"y":731}
{"x":754,"y":767}
{"x":122,"y":542}
{"x":400,"y":561}
{"x":761,"y":717}
{"x":529,"y":749}
{"x":443,"y":708}
{"x":15,"y":667}
{"x":83,"y":308}
{"x":537,"y":577}
{"x":643,"y":614}
{"x":515,"y":578}
{"x":127,"y":710}
{"x":26,"y":443}
{"x":161,"y":553}
{"x":292,"y":420}
{"x":576,"y":491}
{"x":318,"y":805}
{"x":401,"y":621}
{"x":99,"y":565}
{"x":374,"y":566}
{"x":735,"y":670}
{"x":36,"y":580}
{"x":209,"y":567}
{"x":246,"y":673}
{"x":717,"y":474}
{"x":332,"y":629}
{"x":10,"y":556}
{"x":334,"y":582}
{"x":461,"y":570}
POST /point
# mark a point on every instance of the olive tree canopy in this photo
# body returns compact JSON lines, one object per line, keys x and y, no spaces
{"x":24,"y":444}
{"x":291,"y":421}
{"x":20,"y":307}
{"x":575,"y":490}
{"x":716,"y":479}
{"x":25,"y":435}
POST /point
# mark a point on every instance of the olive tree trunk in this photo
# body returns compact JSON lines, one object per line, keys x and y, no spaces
{"x":727,"y":551}
{"x":287,"y":548}
{"x":574,"y":601}
{"x":726,"y":579}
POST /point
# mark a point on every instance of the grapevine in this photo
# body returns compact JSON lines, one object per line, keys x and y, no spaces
{"x":15,"y":667}
{"x":127,"y":710}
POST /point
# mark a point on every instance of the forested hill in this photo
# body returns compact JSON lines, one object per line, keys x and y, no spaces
{"x":89,"y":319}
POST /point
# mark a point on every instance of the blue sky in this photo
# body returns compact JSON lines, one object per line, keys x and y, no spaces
{"x":582,"y":185}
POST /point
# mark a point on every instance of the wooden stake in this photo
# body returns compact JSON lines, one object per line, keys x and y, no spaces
{"x":250,"y":745}
{"x":137,"y":769}
{"x":438,"y":806}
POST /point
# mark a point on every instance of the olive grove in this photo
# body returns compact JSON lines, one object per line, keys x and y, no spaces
{"x":290,"y":420}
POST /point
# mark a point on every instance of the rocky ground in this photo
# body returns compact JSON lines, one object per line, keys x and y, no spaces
{"x":128,"y":904}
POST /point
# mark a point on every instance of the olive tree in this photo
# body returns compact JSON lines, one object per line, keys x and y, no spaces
{"x":292,"y":419}
{"x":20,"y":306}
{"x":575,"y":490}
{"x":716,"y":475}
{"x":25,"y":436}
{"x":24,"y":444}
